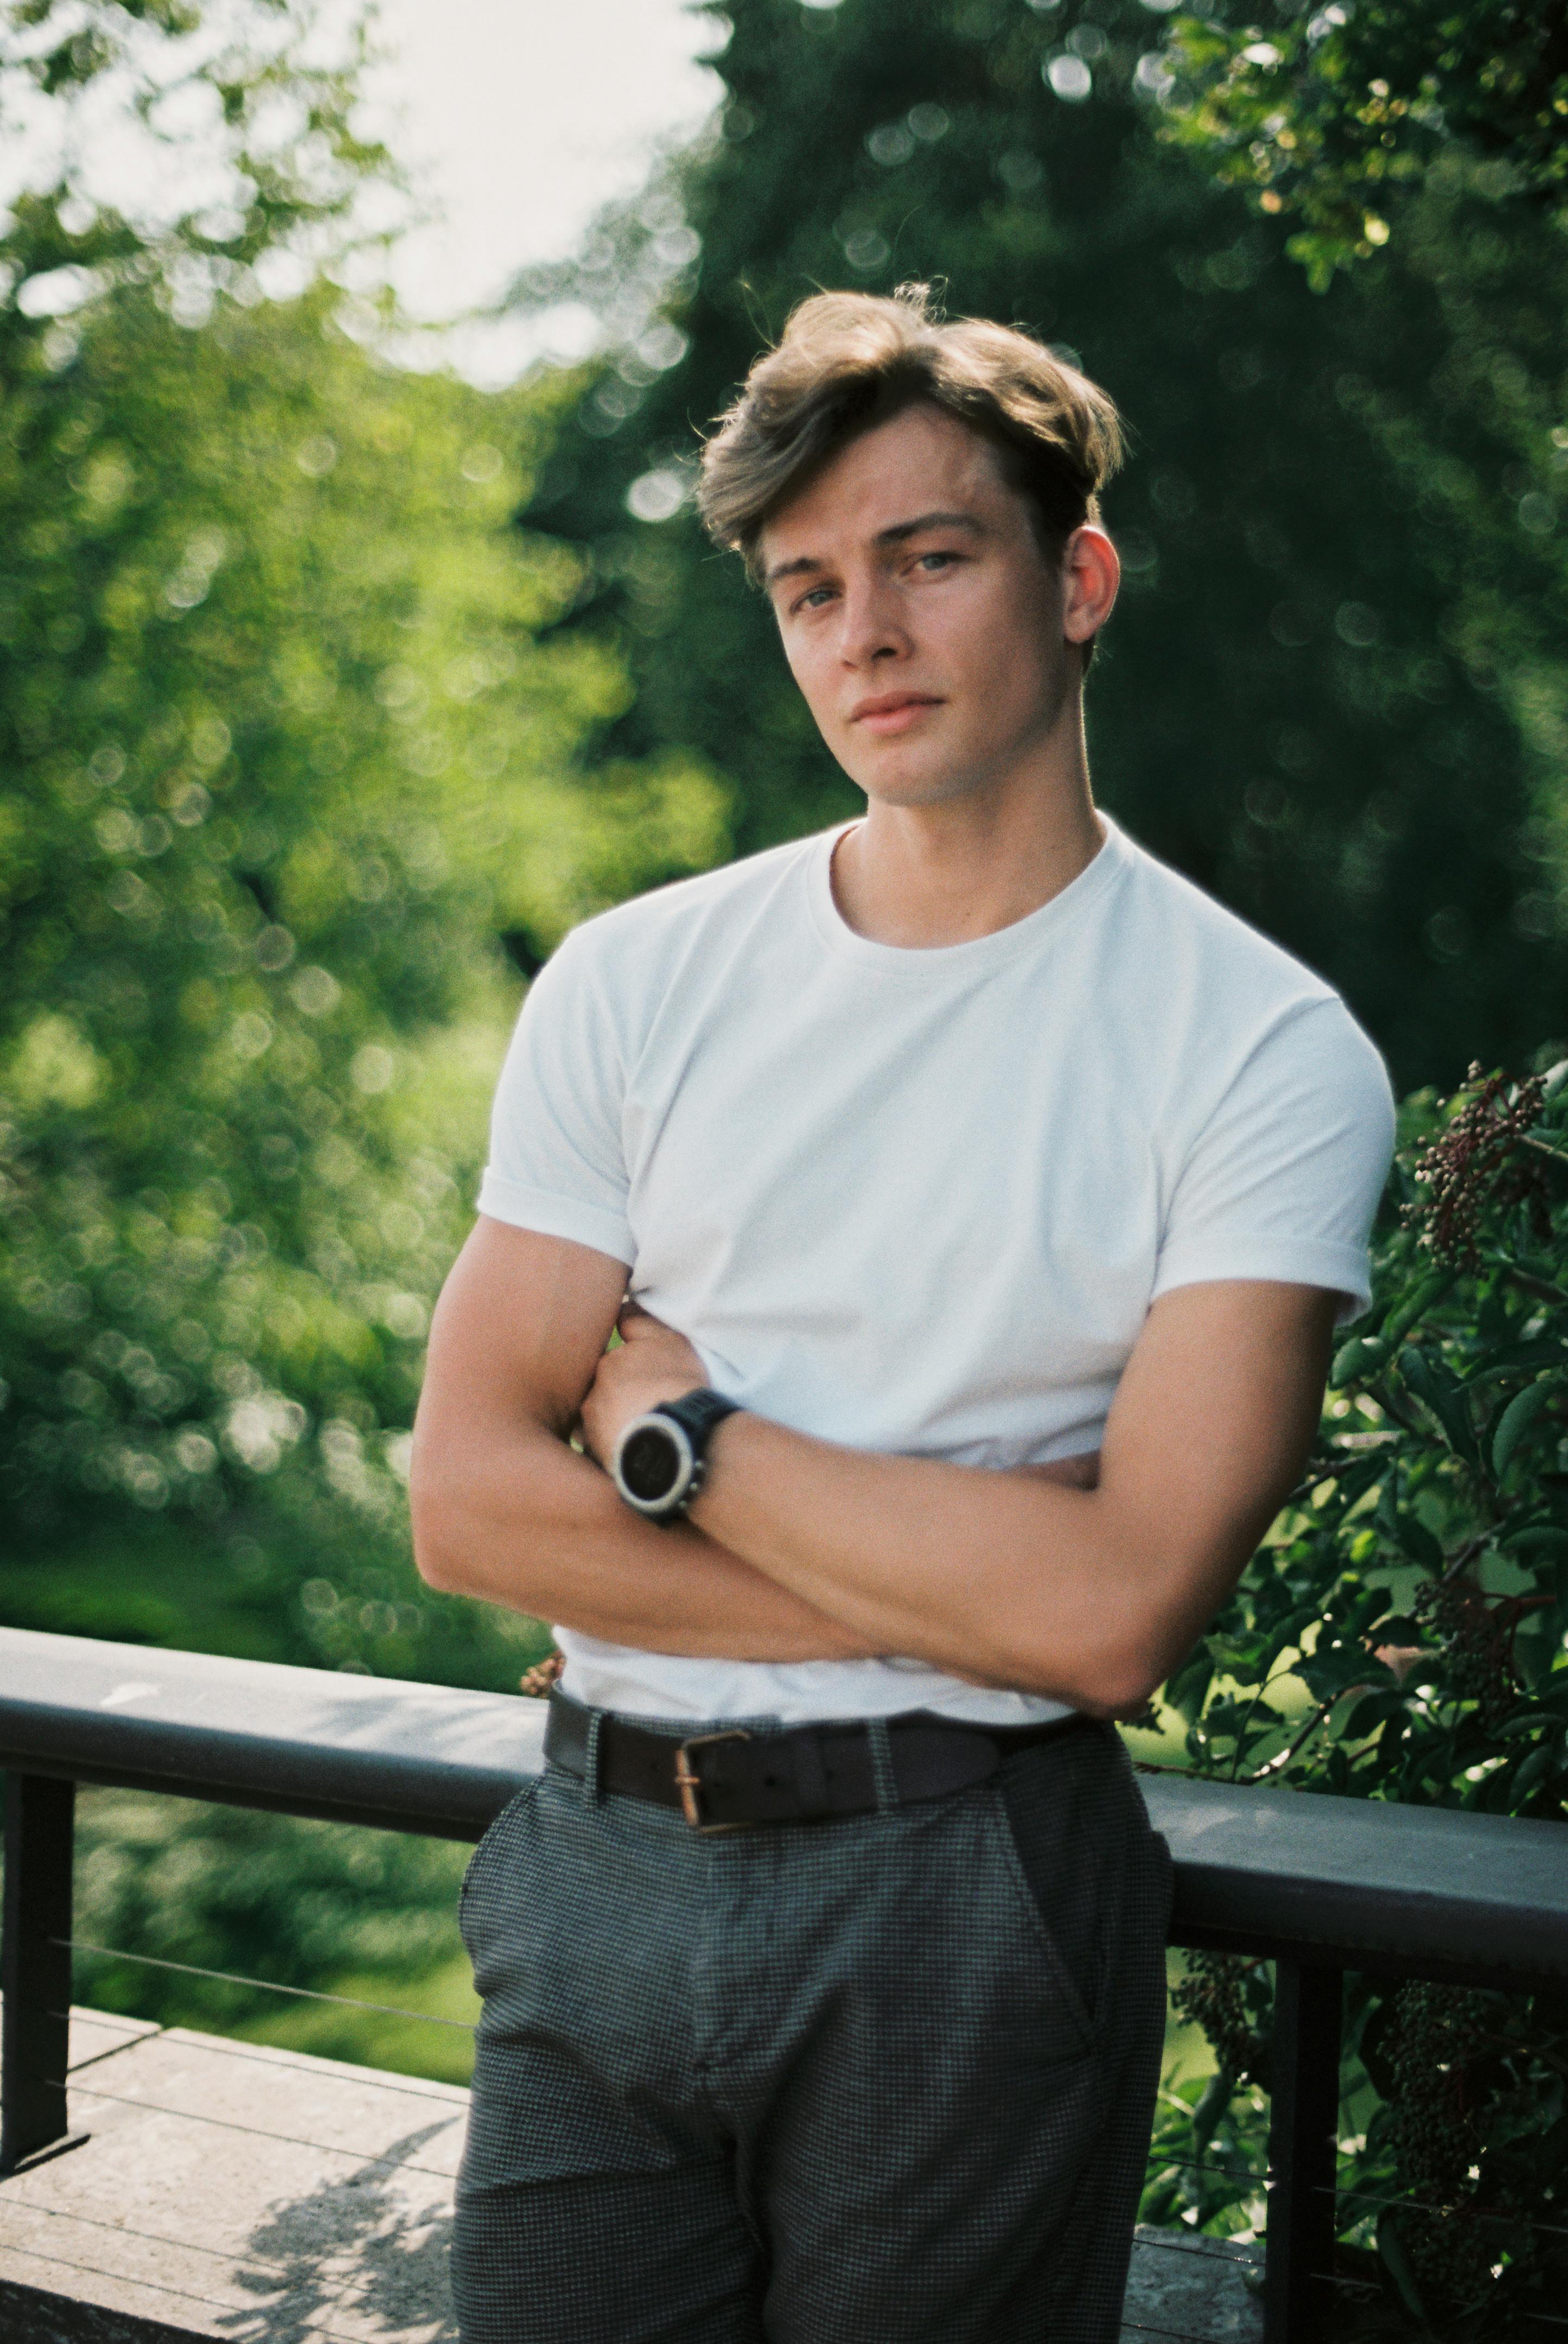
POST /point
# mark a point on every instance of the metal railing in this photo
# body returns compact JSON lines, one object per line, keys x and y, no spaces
{"x":1318,"y":1885}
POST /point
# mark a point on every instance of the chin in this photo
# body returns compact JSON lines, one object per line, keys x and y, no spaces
{"x":921,"y":782}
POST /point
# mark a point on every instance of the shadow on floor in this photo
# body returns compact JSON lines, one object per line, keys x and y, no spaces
{"x":354,"y":2258}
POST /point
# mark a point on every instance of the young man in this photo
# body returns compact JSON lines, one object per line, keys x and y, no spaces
{"x":975,"y":1199}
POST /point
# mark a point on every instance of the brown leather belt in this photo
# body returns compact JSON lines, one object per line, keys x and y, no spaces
{"x":734,"y":1776}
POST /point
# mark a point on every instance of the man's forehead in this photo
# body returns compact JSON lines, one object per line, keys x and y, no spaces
{"x":786,"y":563}
{"x":873,"y":493}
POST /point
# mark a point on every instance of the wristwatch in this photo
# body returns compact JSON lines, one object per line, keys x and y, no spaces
{"x":660,"y":1459}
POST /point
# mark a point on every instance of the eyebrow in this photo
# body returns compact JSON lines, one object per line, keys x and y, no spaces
{"x":896,"y":534}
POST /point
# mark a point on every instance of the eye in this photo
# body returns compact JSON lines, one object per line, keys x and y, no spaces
{"x":935,"y":563}
{"x":814,"y":599}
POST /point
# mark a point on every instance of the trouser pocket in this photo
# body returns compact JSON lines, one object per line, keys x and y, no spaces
{"x":1077,"y":1832}
{"x":503,"y":1831}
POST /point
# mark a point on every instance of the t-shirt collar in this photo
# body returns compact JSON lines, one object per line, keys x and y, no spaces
{"x":927,"y":961}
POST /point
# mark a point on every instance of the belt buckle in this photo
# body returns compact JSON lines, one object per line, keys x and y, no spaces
{"x":690,"y":1783}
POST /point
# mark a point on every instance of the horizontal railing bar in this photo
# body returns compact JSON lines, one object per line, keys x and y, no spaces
{"x":265,"y":1986}
{"x":1265,"y":1944}
{"x":434,"y":1758}
{"x":1333,"y":1882}
{"x":369,"y":1815}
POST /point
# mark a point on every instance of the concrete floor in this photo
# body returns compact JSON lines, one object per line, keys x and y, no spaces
{"x":264,"y":2197}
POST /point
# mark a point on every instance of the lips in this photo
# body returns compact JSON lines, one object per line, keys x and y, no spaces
{"x":892,"y":711}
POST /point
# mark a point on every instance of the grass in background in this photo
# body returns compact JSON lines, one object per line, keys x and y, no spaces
{"x":333,"y":1908}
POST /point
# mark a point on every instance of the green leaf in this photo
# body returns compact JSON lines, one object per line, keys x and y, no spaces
{"x":1417,"y":1540}
{"x":1440,"y":1391}
{"x":1534,"y":1770}
{"x":1515,"y":1421}
{"x":1186,"y":1691}
{"x":1540,"y":1540}
{"x":1515,"y":1358}
{"x":1334,"y":1671}
{"x":1367,"y":1611}
{"x":1362,"y":1357}
{"x":1374,"y":1709}
{"x":1216,"y":2098}
{"x":1415,"y":1306}
{"x":1396,"y":2261}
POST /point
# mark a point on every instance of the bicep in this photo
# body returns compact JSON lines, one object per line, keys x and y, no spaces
{"x":520,"y":1327}
{"x":1214,"y":1419}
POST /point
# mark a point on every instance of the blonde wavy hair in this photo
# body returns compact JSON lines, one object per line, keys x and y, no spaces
{"x":848,"y":361}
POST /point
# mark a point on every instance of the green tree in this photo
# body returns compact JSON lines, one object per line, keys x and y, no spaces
{"x":1445,"y":127}
{"x":284,"y":752}
{"x":1333,"y":113}
{"x":1310,"y":700}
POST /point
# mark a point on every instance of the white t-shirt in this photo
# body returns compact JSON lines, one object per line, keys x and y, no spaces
{"x":920,"y":1201}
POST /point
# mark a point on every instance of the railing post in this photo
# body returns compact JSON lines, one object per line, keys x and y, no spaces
{"x":1303,"y":2145}
{"x":34,"y":1967}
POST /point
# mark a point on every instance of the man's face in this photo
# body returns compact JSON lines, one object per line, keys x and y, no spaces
{"x":919,"y":617}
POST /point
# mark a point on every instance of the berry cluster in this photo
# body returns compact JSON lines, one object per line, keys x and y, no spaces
{"x":1477,"y":1162}
{"x":1438,"y":2034}
{"x":1211,"y":1997}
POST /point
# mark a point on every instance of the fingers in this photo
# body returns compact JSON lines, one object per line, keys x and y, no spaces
{"x":634,"y":1322}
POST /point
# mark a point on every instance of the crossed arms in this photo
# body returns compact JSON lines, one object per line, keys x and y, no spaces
{"x":1087,"y":1586}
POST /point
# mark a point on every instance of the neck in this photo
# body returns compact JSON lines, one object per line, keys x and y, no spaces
{"x":969,"y":864}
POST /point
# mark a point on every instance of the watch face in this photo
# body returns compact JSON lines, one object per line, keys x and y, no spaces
{"x":649,"y":1463}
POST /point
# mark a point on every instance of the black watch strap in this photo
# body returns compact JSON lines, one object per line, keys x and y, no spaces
{"x":698,"y":1412}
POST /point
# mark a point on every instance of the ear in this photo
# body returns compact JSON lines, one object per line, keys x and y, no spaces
{"x":1091,"y":573}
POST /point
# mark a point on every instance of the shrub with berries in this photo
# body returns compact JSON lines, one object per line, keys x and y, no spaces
{"x":1401,"y":1635}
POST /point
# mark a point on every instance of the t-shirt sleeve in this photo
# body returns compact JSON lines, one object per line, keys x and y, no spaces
{"x":557,"y":1163}
{"x":1284,"y":1177}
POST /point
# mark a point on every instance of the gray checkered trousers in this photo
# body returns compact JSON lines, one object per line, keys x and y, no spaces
{"x":880,"y":2079}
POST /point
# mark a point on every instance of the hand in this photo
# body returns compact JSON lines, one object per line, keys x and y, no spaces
{"x":653,"y":1364}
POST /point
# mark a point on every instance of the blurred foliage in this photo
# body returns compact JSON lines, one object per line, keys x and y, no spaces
{"x":369,"y":1915}
{"x":1403,"y":1635}
{"x":1335,"y":693}
{"x":287,"y":750}
{"x":1333,"y":112}
{"x":248,"y":157}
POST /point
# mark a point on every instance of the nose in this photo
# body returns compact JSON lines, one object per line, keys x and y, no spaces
{"x":871,"y":630}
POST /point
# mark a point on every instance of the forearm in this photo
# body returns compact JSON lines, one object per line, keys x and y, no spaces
{"x":526,"y":1521}
{"x":1093,"y":1593}
{"x":1005,"y":1577}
